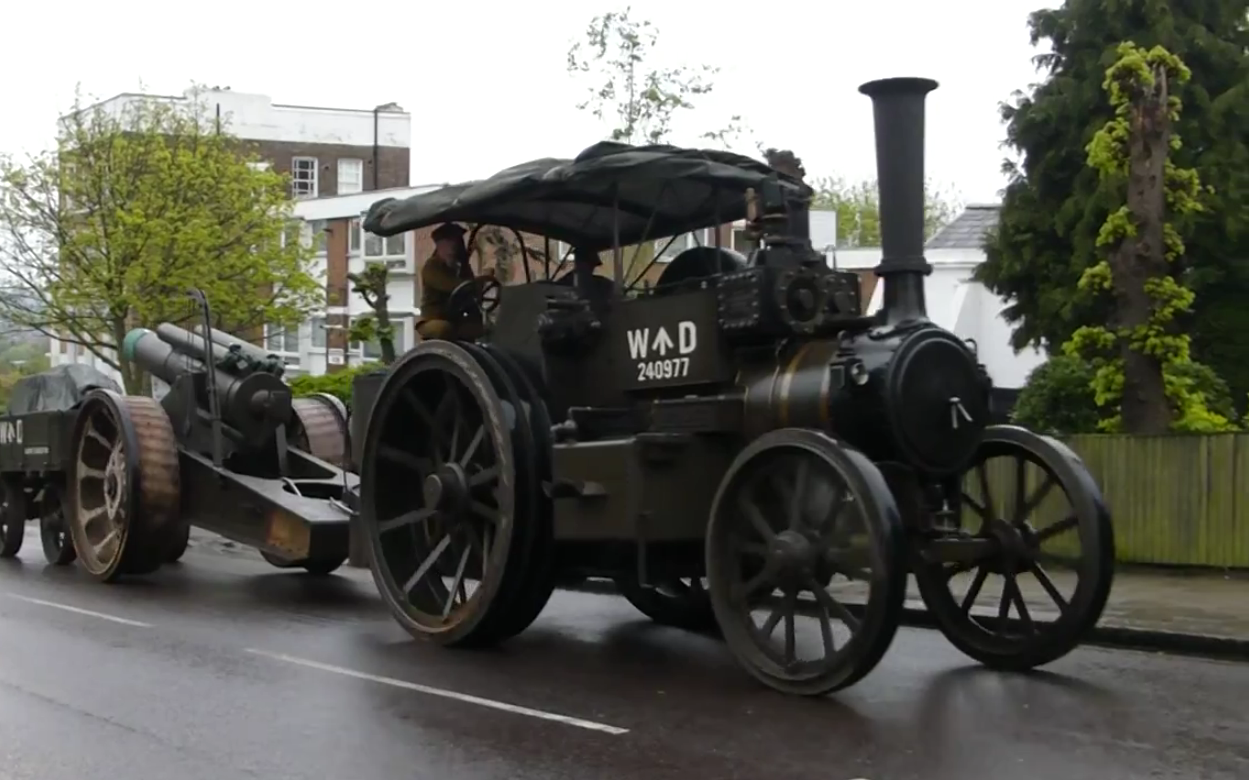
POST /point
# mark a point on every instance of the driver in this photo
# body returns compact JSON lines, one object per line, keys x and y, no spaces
{"x":446,"y":269}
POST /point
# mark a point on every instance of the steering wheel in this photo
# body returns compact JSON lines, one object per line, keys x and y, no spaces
{"x":481,"y":294}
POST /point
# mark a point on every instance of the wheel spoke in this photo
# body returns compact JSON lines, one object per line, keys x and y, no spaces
{"x":791,"y":640}
{"x":407,"y":459}
{"x":484,"y":477}
{"x":1025,"y":509}
{"x":1042,"y":577}
{"x":1061,"y":527}
{"x":407,"y":518}
{"x":969,"y":599}
{"x":457,"y":582}
{"x":982,"y":473}
{"x":756,"y":518}
{"x":977,"y":507}
{"x":473,"y":444}
{"x":831,"y":606}
{"x":426,"y":565}
{"x":1021,"y":606}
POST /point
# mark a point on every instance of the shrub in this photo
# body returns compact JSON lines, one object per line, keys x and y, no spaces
{"x":337,"y":384}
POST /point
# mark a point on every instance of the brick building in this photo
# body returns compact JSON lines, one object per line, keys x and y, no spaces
{"x":328,"y":152}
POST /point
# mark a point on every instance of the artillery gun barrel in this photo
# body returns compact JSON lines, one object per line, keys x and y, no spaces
{"x":261,"y":359}
{"x":254,"y":404}
{"x":898,"y":110}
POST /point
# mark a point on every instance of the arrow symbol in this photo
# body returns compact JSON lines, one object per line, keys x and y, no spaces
{"x":663,"y":342}
{"x":956,"y":411}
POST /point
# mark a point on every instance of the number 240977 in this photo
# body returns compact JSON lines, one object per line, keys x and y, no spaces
{"x":669,"y":368}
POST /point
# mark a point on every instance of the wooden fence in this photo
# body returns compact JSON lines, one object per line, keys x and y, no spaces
{"x":1178,"y":500}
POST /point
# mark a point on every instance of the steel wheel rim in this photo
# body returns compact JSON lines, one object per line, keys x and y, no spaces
{"x":102,"y":488}
{"x":474,"y":453}
{"x":743,"y":531}
{"x":1014,"y":628}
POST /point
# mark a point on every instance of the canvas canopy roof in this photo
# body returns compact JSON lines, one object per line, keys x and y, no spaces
{"x":658,"y":191}
{"x":57,"y":389}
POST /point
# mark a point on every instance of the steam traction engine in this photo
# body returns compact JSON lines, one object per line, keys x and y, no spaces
{"x":226,"y":449}
{"x":748,"y":429}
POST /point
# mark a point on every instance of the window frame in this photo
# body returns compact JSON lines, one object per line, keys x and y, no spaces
{"x":272,"y":332}
{"x":358,"y":179}
{"x":296,"y":180}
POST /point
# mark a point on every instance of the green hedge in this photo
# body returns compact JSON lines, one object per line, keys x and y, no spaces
{"x":337,"y":384}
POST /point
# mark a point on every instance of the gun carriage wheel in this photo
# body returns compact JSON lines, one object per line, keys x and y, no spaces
{"x":452,"y":556}
{"x":795,"y":510}
{"x":320,"y":428}
{"x":58,"y":545}
{"x":1050,"y":517}
{"x":12,"y":517}
{"x":125,"y":485}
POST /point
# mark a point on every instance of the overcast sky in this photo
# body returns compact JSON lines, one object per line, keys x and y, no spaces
{"x":486,"y":81}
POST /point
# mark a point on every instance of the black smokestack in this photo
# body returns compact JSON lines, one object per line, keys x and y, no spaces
{"x":898,"y":107}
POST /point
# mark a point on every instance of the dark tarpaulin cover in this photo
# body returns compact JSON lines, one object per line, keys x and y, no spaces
{"x":57,"y":389}
{"x":658,"y":191}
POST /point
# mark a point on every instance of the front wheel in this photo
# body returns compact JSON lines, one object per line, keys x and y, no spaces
{"x":801,"y":526}
{"x":1039,"y":554}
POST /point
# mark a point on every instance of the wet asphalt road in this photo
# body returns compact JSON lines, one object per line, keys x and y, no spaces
{"x":223,"y":668}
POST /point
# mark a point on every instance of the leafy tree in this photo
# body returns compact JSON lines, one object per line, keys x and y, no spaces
{"x":1055,"y":204}
{"x":1058,"y":397}
{"x":109,"y":230}
{"x":371,"y":286}
{"x":639,"y":100}
{"x":858,"y":209}
{"x":1137,"y":359}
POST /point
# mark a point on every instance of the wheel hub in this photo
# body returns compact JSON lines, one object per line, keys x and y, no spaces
{"x":1015,"y":549}
{"x":446,"y":490}
{"x":793,"y":555}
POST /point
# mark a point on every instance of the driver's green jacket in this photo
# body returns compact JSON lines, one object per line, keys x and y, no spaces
{"x":438,"y":279}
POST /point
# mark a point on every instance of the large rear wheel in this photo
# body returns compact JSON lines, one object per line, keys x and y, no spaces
{"x":801,"y":526}
{"x":440,"y":496}
{"x":124,"y":485}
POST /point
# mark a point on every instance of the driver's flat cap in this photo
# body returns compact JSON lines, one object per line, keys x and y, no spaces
{"x":448,"y":230}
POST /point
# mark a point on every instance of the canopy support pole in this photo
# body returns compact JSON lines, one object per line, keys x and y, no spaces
{"x":617,"y":253}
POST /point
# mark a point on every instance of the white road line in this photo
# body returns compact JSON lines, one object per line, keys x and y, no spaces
{"x":81,"y":611}
{"x":464,"y":697}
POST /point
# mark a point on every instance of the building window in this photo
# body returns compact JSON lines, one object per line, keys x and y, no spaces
{"x":353,"y":233}
{"x":280,"y":339}
{"x":304,"y":177}
{"x":393,"y":246}
{"x":318,"y":333}
{"x":350,"y":176}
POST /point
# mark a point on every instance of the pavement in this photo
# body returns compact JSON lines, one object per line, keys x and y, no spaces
{"x":224,"y":667}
